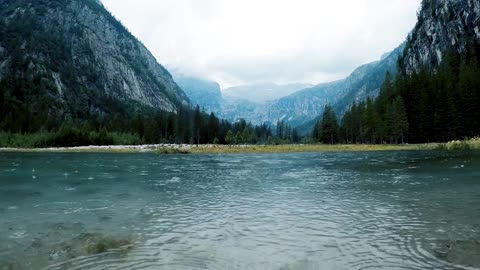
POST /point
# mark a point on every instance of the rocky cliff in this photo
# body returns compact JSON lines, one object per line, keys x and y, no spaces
{"x":72,"y":57}
{"x":442,"y":25}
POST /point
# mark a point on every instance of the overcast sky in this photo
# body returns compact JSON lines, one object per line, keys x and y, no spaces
{"x":245,"y":41}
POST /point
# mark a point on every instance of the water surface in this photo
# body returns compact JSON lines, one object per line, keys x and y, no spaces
{"x":388,"y":210}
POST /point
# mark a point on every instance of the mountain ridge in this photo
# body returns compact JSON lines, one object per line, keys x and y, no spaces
{"x":303,"y":107}
{"x":263,"y":92}
{"x":78,"y":60}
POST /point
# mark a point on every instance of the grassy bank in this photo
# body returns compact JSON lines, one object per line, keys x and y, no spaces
{"x":455,"y":146}
{"x":227,"y":149}
{"x":217,"y":149}
{"x":465,"y":145}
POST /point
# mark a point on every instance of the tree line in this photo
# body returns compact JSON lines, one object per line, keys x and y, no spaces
{"x":426,"y":106}
{"x":148,"y":126}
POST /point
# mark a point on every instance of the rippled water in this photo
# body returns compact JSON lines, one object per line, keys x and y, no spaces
{"x":291,"y":211}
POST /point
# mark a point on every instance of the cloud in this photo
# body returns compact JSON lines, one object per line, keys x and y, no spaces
{"x":282,"y":41}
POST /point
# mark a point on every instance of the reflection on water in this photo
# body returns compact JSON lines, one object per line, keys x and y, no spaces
{"x":393,"y":210}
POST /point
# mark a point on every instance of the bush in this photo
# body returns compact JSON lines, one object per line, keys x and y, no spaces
{"x":67,"y":136}
{"x":458,"y":146}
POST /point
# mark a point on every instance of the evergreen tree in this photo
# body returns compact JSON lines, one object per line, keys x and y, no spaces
{"x":402,"y":124}
{"x":328,"y":126}
{"x":197,"y":125}
{"x":371,"y":122}
{"x":230,"y":138}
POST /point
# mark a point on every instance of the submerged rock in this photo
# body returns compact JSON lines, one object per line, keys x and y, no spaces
{"x":96,"y":243}
{"x":62,"y":244}
{"x":300,"y":265}
{"x":460,"y":252}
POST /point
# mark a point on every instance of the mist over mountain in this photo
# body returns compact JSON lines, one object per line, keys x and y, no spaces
{"x":263,"y":92}
{"x":302,"y":107}
{"x":205,"y":93}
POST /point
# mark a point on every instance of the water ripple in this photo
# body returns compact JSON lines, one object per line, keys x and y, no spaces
{"x":299,"y":211}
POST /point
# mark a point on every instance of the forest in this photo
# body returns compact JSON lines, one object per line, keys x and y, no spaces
{"x":187,"y":126}
{"x":426,"y":106}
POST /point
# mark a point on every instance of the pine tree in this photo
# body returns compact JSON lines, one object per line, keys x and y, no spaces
{"x":316,"y":131}
{"x":371,"y":122}
{"x":402,"y":119}
{"x":295,"y":136}
{"x":230,"y":138}
{"x":329,"y":126}
{"x":197,"y":124}
{"x":238,"y":138}
{"x":213,"y":128}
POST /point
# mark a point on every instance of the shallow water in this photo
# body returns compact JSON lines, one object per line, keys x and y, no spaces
{"x":291,"y":211}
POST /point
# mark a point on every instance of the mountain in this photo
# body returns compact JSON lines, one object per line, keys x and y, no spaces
{"x":442,"y":25}
{"x":71,"y":59}
{"x":441,"y":73}
{"x":360,"y":87}
{"x":301,"y":108}
{"x":435,"y":96}
{"x":209,"y":97}
{"x":304,"y":107}
{"x":263,"y":92}
{"x":203,"y":92}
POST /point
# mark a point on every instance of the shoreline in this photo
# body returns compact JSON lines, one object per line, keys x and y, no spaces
{"x":467,"y":145}
{"x":218,"y":149}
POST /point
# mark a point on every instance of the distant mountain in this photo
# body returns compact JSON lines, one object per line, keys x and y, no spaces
{"x":304,"y":107}
{"x":71,"y":59}
{"x":366,"y":81}
{"x":263,"y":92}
{"x":208,"y":96}
{"x":205,"y":93}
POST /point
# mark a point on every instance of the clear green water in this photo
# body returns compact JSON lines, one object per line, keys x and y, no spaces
{"x":385,"y":210}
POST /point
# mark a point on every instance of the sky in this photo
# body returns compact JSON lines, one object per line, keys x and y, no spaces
{"x":237,"y":42}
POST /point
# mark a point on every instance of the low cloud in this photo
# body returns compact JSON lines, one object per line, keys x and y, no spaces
{"x":236,"y":42}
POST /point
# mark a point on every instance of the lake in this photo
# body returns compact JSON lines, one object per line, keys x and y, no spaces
{"x":390,"y":210}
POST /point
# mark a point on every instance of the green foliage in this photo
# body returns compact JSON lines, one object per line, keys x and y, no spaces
{"x":326,"y":130}
{"x":230,"y":138}
{"x":67,"y":136}
{"x":423,"y":107}
{"x":244,"y":133}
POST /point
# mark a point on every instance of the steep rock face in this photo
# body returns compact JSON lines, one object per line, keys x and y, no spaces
{"x":82,"y":57}
{"x":442,"y":25}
